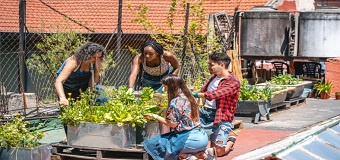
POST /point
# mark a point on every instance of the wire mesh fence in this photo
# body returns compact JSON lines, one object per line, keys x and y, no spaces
{"x":54,"y":27}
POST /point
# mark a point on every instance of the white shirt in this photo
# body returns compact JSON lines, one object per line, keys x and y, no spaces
{"x":211,"y":87}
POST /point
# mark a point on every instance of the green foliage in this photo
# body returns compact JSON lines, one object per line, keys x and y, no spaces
{"x":56,"y":48}
{"x":197,"y":46}
{"x":122,"y":108}
{"x":324,"y":87}
{"x":337,"y":93}
{"x":17,"y":134}
{"x":285,"y":79}
{"x":253,"y":93}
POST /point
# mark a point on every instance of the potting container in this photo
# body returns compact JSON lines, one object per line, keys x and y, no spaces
{"x":148,"y":130}
{"x":101,"y":135}
{"x":293,"y":93}
{"x":254,"y":108}
{"x":41,"y":152}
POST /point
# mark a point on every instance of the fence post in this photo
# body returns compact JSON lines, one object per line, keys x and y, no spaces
{"x":185,"y":39}
{"x":21,"y":55}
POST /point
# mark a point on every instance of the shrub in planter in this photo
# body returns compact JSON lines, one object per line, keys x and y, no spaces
{"x":337,"y":95}
{"x":18,"y":141}
{"x":122,"y":108}
{"x":285,"y":79}
{"x":324,"y":89}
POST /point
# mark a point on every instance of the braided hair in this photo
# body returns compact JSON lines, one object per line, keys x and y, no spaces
{"x":154,"y":45}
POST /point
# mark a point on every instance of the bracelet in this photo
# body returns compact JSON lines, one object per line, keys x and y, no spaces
{"x":156,"y":116}
{"x":195,"y":94}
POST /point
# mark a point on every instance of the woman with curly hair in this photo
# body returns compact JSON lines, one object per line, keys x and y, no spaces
{"x":75,"y":74}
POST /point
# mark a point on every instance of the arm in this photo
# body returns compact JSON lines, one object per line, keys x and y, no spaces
{"x":169,"y":57}
{"x":134,"y":71}
{"x":71,"y":64}
{"x":96,"y":73}
{"x":163,"y":120}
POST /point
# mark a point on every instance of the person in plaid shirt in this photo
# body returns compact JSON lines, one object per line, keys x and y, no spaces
{"x":221,"y":94}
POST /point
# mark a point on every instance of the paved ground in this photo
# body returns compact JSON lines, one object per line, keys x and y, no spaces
{"x":282,"y":124}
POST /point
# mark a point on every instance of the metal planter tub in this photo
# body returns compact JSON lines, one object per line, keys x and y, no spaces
{"x":101,"y":135}
{"x":41,"y":152}
{"x":255,"y":108}
{"x":295,"y":91}
{"x":148,"y":130}
{"x":280,"y":96}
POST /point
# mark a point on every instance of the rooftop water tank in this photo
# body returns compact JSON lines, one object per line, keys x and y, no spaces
{"x":265,"y":33}
{"x":319,"y":34}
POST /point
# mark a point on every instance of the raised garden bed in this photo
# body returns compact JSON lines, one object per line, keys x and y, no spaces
{"x":148,"y":130}
{"x":295,"y":91}
{"x":254,"y":108}
{"x":101,"y":135}
{"x":41,"y":152}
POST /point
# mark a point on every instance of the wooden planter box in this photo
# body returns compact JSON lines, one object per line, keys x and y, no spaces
{"x":101,"y":135}
{"x":148,"y":130}
{"x":254,"y":108}
{"x":41,"y":152}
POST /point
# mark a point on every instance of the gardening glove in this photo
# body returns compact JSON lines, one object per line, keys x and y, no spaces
{"x":130,"y":90}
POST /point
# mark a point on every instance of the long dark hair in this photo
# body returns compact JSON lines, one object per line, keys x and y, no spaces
{"x":175,"y":86}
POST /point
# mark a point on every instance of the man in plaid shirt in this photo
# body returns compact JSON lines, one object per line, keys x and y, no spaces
{"x":221,"y":94}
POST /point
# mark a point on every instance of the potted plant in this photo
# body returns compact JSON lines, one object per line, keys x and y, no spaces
{"x":19,"y":141}
{"x":337,"y":95}
{"x":324,"y":89}
{"x":113,"y":122}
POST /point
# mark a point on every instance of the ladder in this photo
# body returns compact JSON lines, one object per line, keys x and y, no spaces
{"x":224,"y":30}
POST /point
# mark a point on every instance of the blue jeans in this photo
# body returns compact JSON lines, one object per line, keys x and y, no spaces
{"x":216,"y":133}
{"x":196,"y":142}
{"x":221,"y":133}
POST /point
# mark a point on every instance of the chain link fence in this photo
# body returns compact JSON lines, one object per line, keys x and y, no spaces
{"x":121,"y":32}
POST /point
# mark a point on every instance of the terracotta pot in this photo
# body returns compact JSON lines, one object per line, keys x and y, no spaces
{"x":337,"y":97}
{"x":324,"y":95}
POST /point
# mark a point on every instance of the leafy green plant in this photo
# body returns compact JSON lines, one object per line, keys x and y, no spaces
{"x":18,"y":134}
{"x":253,"y":93}
{"x":337,"y":93}
{"x":324,"y":87}
{"x":122,"y":108}
{"x":285,"y":79}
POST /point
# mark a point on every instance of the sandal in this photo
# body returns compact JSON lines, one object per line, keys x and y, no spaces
{"x":232,"y":139}
{"x":190,"y":157}
{"x":209,"y":156}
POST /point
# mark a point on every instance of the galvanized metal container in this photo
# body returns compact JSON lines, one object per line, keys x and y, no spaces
{"x":319,"y":34}
{"x":148,"y":130}
{"x":265,"y":33}
{"x":41,"y":152}
{"x":101,"y":135}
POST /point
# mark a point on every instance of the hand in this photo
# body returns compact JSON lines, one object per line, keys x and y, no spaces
{"x":130,"y":90}
{"x":63,"y":102}
{"x":150,"y":116}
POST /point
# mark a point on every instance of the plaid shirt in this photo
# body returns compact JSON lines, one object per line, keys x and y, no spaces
{"x":226,"y":96}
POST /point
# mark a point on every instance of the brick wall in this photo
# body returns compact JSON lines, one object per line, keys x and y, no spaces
{"x":332,"y":74}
